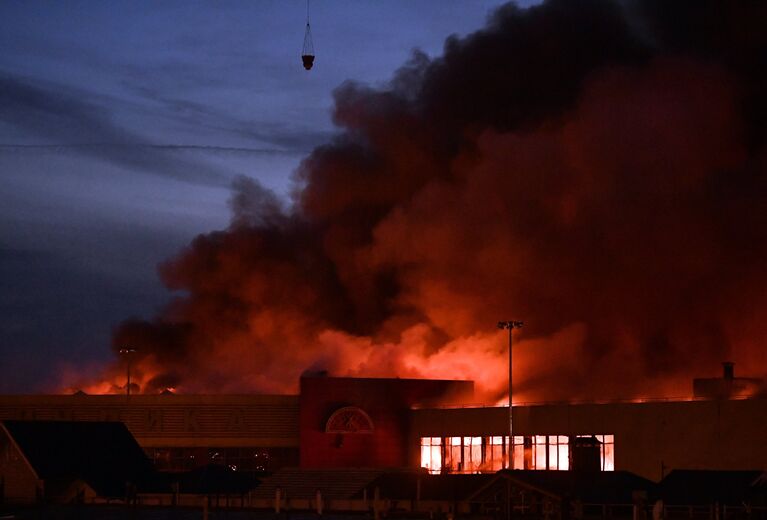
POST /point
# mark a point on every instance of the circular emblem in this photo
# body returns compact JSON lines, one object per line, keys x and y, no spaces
{"x":349,"y":419}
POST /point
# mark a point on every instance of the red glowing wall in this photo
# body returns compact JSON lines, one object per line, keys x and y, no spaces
{"x":385,"y":401}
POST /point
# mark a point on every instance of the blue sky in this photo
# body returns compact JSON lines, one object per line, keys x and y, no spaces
{"x":122,"y":125}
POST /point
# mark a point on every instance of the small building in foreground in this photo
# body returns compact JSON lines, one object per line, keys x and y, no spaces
{"x":70,"y":461}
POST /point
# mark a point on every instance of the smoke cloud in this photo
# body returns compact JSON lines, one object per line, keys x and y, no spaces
{"x":594,"y":168}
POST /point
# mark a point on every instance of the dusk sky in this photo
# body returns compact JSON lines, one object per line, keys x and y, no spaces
{"x":122,"y":125}
{"x":175,"y":182}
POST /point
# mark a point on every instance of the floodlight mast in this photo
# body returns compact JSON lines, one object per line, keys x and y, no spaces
{"x":510,"y":325}
{"x":127,"y":351}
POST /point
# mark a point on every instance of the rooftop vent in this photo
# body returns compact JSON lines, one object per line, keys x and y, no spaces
{"x":728,"y":370}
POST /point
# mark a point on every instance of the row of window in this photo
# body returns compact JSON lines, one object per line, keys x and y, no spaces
{"x":238,"y":459}
{"x":491,"y":454}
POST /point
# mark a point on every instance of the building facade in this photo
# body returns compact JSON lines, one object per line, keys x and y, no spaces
{"x":386,"y":423}
{"x":181,"y":432}
{"x":646,"y":438}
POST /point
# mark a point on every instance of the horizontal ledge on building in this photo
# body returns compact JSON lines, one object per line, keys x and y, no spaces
{"x":217,"y":442}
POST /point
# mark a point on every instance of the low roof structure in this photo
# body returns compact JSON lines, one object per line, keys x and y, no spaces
{"x":104,"y":455}
{"x":419,"y":485}
{"x":704,"y":487}
{"x":304,"y":482}
{"x":599,"y":487}
{"x":216,"y":479}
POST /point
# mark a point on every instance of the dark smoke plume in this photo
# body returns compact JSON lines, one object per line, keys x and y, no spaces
{"x":594,"y":168}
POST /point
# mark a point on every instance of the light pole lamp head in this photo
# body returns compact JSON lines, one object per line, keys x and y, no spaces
{"x":512,"y":324}
{"x":127,"y":350}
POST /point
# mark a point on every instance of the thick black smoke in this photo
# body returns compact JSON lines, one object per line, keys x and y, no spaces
{"x":594,"y":168}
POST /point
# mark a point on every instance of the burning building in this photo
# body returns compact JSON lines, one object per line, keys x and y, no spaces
{"x":595,"y":167}
{"x":408,"y":423}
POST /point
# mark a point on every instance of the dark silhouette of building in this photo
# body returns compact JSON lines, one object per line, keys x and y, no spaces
{"x":69,"y":461}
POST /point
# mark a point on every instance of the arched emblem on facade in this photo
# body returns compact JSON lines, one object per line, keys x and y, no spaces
{"x":349,"y":419}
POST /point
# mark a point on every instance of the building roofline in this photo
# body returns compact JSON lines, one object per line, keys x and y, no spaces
{"x":165,"y":399}
{"x":379,"y":379}
{"x":639,"y":400}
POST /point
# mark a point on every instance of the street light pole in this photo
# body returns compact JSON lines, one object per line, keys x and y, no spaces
{"x":510,"y":325}
{"x":127,"y":351}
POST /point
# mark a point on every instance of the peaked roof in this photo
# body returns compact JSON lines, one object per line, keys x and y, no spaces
{"x":103,"y":454}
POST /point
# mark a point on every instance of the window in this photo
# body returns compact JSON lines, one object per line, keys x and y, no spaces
{"x":495,"y":454}
{"x":453,"y":455}
{"x":492,"y":453}
{"x":236,"y":458}
{"x":431,"y":454}
{"x":518,"y":452}
{"x":541,"y":452}
{"x":558,"y":452}
{"x":472,"y":454}
{"x":607,"y":451}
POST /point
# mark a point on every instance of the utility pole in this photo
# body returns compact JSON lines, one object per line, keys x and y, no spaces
{"x":127,"y":352}
{"x":510,"y":326}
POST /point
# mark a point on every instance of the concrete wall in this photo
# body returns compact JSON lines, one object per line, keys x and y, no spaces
{"x":648,"y":436}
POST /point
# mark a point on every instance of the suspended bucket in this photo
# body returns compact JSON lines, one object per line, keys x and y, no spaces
{"x":307,"y":54}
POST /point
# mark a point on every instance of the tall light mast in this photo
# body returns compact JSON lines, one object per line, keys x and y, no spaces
{"x":127,"y":352}
{"x":510,"y":325}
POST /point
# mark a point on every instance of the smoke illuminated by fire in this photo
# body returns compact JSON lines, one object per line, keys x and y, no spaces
{"x":595,"y":169}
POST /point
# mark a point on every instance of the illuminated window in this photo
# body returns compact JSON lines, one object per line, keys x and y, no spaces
{"x":539,"y":453}
{"x":493,"y":453}
{"x":526,"y":452}
{"x":607,"y":451}
{"x":452,"y":456}
{"x":453,"y":449}
{"x":472,"y":454}
{"x":558,"y":452}
{"x":607,"y":459}
{"x":431,"y":454}
{"x":518,"y":451}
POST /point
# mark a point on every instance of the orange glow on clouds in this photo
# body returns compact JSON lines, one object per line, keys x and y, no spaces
{"x":620,"y":215}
